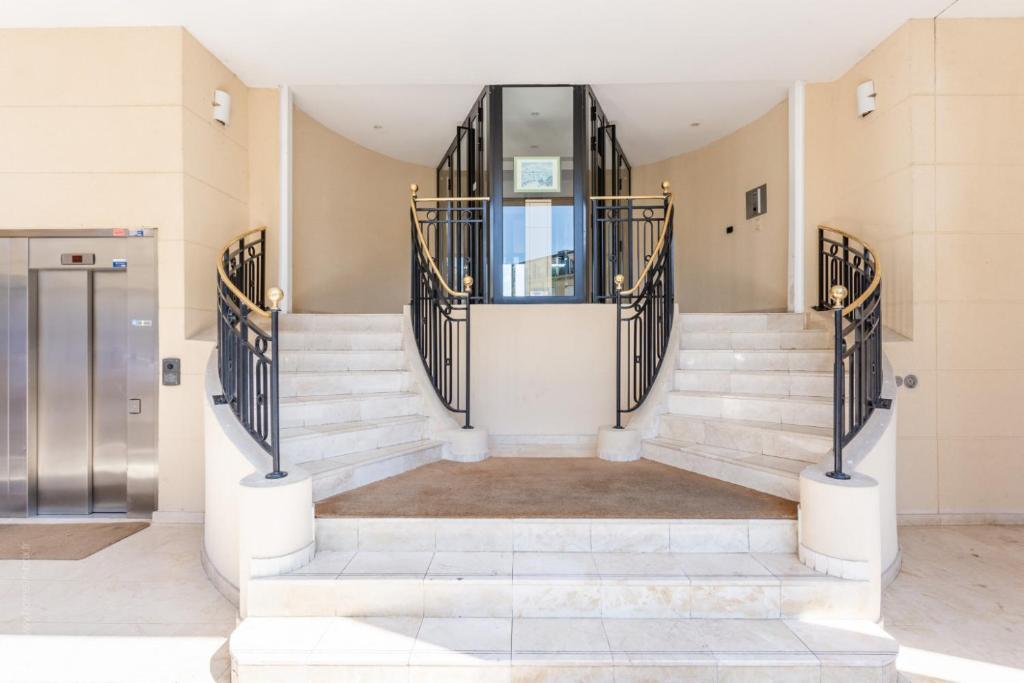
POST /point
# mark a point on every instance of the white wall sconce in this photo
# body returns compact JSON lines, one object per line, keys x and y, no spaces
{"x":865,"y":98}
{"x":221,"y":107}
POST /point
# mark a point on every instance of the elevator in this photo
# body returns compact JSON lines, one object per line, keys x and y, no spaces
{"x":78,"y":372}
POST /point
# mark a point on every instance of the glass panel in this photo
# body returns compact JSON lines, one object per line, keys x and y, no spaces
{"x":538,"y":249}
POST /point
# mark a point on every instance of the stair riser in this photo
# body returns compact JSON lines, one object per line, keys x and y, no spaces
{"x":341,"y":341}
{"x":757,"y":479}
{"x":332,"y":482}
{"x":314,"y":384}
{"x":353,"y":410}
{"x":785,"y":411}
{"x":744,"y":322}
{"x":299,"y":361}
{"x":755,"y":341}
{"x":317,"y":322}
{"x":739,"y":383}
{"x":698,"y":669}
{"x":562,"y":597}
{"x":689,"y":536}
{"x":329,"y":445}
{"x":795,"y":446}
{"x":814,"y":361}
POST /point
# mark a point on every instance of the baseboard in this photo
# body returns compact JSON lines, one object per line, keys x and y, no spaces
{"x":961,"y":519}
{"x":175,"y":517}
{"x":890,"y":574}
{"x":543,"y":445}
{"x":219,"y":581}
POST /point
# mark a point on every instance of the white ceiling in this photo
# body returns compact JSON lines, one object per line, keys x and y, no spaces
{"x":414,"y":67}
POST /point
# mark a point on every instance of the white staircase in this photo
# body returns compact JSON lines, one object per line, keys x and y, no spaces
{"x":752,"y":399}
{"x":559,"y":600}
{"x":349,"y":412}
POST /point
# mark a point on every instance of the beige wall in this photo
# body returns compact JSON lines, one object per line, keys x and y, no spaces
{"x":747,"y":270}
{"x":934,"y":178}
{"x":351,"y":223}
{"x":543,"y":370}
{"x":112,"y":127}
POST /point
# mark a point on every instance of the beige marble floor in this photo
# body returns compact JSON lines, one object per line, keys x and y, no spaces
{"x":140,"y":610}
{"x":957,"y":608}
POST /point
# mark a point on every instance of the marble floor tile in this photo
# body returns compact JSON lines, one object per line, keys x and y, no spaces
{"x":722,"y":564}
{"x":444,"y":641}
{"x":389,"y":562}
{"x":328,"y":563}
{"x":470,"y":564}
{"x":612,"y":565}
{"x":553,"y":564}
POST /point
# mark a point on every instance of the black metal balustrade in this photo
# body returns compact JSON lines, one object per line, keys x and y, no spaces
{"x":247,"y":351}
{"x":847,"y":267}
{"x":448,"y":252}
{"x":639,"y":230}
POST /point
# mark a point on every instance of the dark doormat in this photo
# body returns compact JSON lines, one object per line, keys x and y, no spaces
{"x":61,"y":541}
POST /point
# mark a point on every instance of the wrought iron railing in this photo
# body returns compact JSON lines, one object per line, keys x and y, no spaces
{"x":640,"y":230}
{"x":848,"y":267}
{"x":447,"y":253}
{"x":247,"y":351}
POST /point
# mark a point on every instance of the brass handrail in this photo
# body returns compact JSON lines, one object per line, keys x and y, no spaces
{"x":875,"y":281}
{"x":467,"y":281}
{"x":661,"y":240}
{"x":242,"y":298}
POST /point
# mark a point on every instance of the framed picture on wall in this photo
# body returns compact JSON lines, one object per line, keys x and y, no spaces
{"x":537,"y":174}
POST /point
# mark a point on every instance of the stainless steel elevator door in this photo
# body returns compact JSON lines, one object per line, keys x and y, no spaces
{"x":64,"y":392}
{"x":110,"y":355}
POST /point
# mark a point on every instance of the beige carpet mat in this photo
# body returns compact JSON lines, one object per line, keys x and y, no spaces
{"x":555,"y":488}
{"x":61,"y":541}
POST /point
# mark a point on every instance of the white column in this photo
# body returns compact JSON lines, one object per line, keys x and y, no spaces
{"x":284,"y":273}
{"x":797,"y":177}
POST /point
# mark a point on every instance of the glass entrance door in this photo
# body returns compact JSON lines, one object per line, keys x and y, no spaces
{"x":538,"y":196}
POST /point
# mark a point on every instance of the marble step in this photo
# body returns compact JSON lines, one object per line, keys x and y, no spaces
{"x":341,"y":322}
{"x":795,"y":442}
{"x":340,"y":340}
{"x":757,"y":341}
{"x":302,"y":444}
{"x":521,"y":650}
{"x":555,"y":585}
{"x":777,"y":382}
{"x":342,"y":473}
{"x":308,"y":411}
{"x":336,"y":361}
{"x":754,"y":361}
{"x":765,"y":473}
{"x":747,"y":322}
{"x":810,"y":411}
{"x":335,"y":383}
{"x":401,"y":534}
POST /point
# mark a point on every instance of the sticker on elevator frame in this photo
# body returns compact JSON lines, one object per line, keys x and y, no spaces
{"x":119,"y":264}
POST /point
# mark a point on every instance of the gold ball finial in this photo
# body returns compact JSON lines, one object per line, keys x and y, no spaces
{"x":838,"y":294}
{"x":467,"y":283}
{"x":415,"y":188}
{"x":620,"y":279}
{"x":275,"y":294}
{"x":664,"y":186}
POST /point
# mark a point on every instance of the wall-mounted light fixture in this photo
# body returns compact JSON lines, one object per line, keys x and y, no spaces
{"x":221,"y":107}
{"x":865,"y":98}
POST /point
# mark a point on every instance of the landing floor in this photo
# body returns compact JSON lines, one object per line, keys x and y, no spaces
{"x":557,"y":488}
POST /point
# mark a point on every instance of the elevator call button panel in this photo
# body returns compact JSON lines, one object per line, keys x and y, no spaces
{"x":171,"y":372}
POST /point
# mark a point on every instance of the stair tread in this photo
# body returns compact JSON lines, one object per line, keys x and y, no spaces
{"x":343,"y":373}
{"x":756,"y":397}
{"x":764,"y":373}
{"x":757,"y":568}
{"x":600,"y":642}
{"x":319,"y":467}
{"x":313,"y":431}
{"x":344,"y":398}
{"x":783,"y":467}
{"x":805,"y":430}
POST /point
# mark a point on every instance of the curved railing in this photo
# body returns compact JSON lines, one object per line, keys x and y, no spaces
{"x":247,"y":352}
{"x":848,"y":267}
{"x":448,"y":238}
{"x":640,"y":227}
